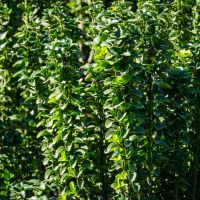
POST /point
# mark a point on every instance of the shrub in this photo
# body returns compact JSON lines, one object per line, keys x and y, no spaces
{"x":99,"y":99}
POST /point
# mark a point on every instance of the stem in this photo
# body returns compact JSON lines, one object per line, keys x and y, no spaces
{"x":25,"y":4}
{"x":81,"y":26}
{"x":102,"y":146}
{"x":90,"y":56}
{"x":195,"y":178}
{"x":150,"y":54}
{"x":179,"y":4}
{"x":150,"y":132}
{"x":176,"y":191}
{"x":196,"y":148}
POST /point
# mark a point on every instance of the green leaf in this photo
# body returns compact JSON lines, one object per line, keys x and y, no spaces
{"x":108,"y":135}
{"x":61,"y":148}
{"x":63,"y":197}
{"x":65,"y":177}
{"x":63,"y":156}
{"x":45,"y":23}
{"x":133,"y":177}
{"x":42,"y":186}
{"x":18,"y":63}
{"x":120,"y":80}
{"x":184,"y":53}
{"x":109,"y":91}
{"x":108,"y":123}
{"x":46,"y":160}
{"x":3,"y":35}
{"x":166,"y":85}
{"x":121,"y":117}
{"x":127,"y":53}
{"x":2,"y":46}
{"x":72,"y":186}
{"x":132,"y":167}
{"x":116,"y":158}
{"x":43,"y":133}
{"x":57,"y":138}
{"x":136,"y":187}
{"x":52,"y":100}
{"x":133,"y":137}
{"x":117,"y":104}
{"x":54,"y":97}
{"x":107,"y":81}
{"x":111,"y":147}
{"x":30,"y":98}
{"x":122,"y":175}
{"x":48,"y":173}
{"x":116,"y":184}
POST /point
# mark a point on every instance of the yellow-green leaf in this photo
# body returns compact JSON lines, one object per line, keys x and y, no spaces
{"x":72,"y":186}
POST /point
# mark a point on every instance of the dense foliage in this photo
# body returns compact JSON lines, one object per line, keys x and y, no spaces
{"x":99,"y":99}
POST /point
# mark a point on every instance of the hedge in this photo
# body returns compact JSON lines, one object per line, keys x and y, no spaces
{"x":99,"y":100}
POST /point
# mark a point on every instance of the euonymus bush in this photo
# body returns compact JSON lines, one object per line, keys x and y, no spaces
{"x":99,"y":99}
